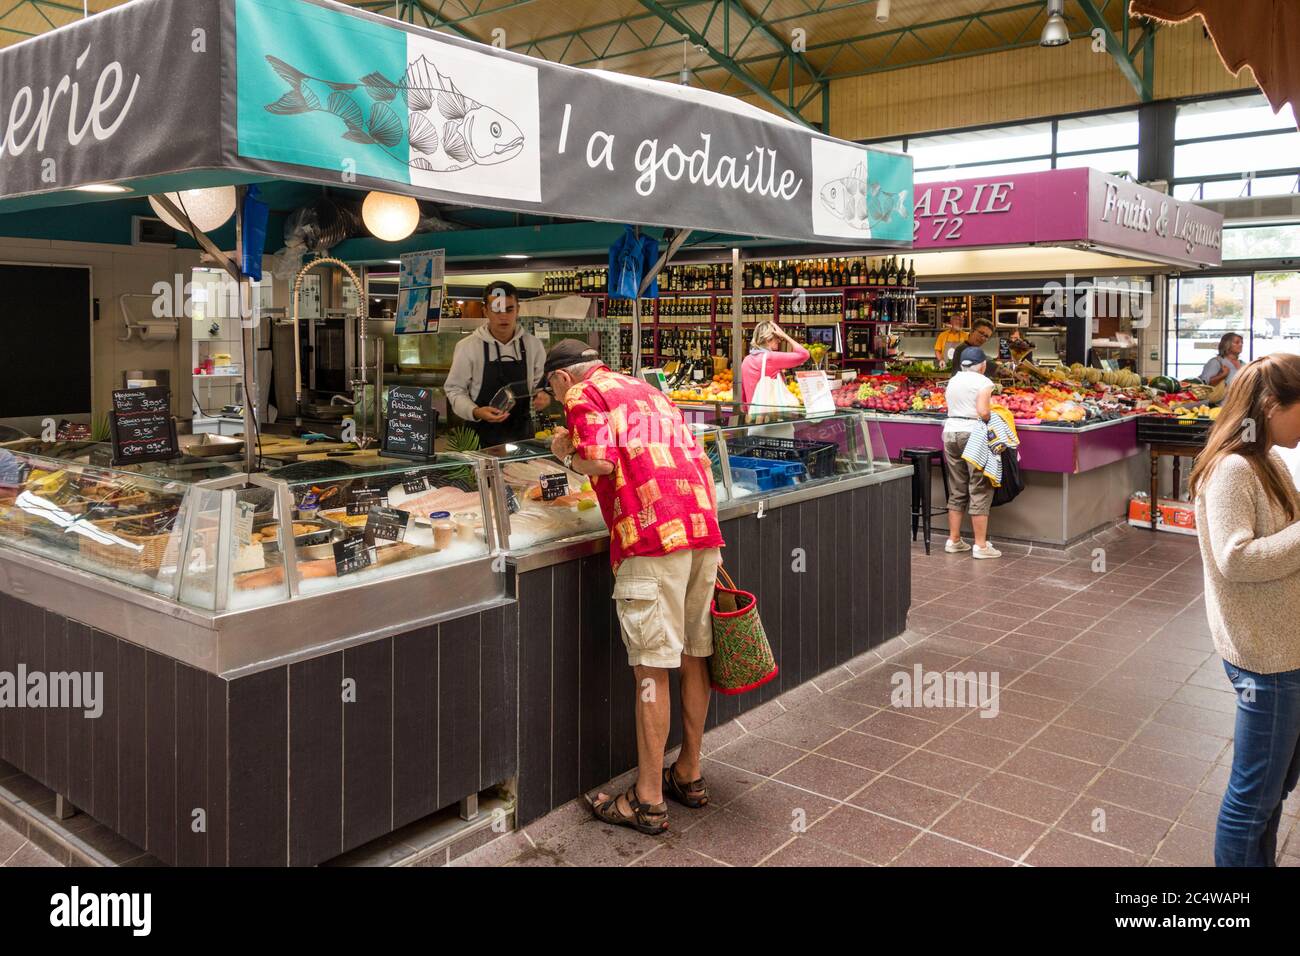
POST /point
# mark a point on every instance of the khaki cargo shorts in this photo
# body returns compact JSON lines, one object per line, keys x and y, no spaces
{"x":664,"y":604}
{"x":968,"y":490}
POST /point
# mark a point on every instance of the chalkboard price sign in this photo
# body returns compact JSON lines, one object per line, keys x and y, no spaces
{"x":142,"y":427}
{"x":156,"y":399}
{"x":412,"y":423}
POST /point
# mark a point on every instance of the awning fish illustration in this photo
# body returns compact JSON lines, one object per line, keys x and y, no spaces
{"x":860,"y":203}
{"x":447,"y":130}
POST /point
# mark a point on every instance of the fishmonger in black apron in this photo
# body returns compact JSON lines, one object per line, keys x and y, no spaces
{"x":502,"y":373}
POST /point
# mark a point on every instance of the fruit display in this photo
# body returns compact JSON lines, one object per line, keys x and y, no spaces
{"x":719,"y":389}
{"x":1066,"y":395}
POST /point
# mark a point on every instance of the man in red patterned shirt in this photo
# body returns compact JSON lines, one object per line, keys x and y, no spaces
{"x":655,"y":488}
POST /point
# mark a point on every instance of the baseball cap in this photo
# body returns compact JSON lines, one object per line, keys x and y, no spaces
{"x":569,"y":352}
{"x":971,"y":356}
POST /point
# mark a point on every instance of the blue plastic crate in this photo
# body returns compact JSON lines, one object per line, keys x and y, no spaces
{"x":763,"y":474}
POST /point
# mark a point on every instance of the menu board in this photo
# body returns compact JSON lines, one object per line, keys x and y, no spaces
{"x":412,"y":423}
{"x":142,"y":427}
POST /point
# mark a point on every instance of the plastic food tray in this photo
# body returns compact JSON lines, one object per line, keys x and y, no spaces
{"x":818,"y":457}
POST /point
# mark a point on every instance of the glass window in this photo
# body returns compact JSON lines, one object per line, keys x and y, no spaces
{"x":1201,"y":310}
{"x":1276,"y":324}
{"x":1269,"y":151}
{"x":1097,"y":132}
{"x":1112,"y":161}
{"x":1237,"y":114}
{"x":971,"y":172}
{"x":981,"y":146}
{"x":1262,"y":242}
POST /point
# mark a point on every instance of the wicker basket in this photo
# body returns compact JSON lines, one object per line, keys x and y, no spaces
{"x":148,"y":552}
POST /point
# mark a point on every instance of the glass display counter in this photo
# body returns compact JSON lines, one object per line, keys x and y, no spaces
{"x":216,"y":544}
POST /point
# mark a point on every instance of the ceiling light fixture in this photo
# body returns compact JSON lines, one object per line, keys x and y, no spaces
{"x":1056,"y":32}
{"x":390,"y":217}
{"x":515,"y":255}
{"x":208,"y":209}
{"x":882,"y":11}
{"x":103,"y":188}
{"x":684,"y":78}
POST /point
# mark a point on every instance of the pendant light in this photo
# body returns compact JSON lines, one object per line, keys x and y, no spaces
{"x":1056,"y":32}
{"x":208,"y":209}
{"x":390,"y":217}
{"x":882,"y":11}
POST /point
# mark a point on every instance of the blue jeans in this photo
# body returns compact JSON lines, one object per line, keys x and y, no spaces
{"x":1265,"y":766}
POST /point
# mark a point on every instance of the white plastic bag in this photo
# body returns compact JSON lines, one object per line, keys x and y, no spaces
{"x":771,"y":392}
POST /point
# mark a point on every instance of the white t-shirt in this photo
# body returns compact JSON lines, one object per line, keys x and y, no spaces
{"x":962,"y":391}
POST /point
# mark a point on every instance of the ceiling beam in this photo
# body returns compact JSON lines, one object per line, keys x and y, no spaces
{"x":1123,"y":58}
{"x":757,"y":23}
{"x":723,"y":61}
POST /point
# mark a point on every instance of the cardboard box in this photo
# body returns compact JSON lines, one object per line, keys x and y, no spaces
{"x":1176,"y":516}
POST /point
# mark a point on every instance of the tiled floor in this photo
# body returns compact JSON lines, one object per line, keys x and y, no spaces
{"x":1111,"y":745}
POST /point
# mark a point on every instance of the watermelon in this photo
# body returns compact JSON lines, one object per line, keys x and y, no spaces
{"x":1164,"y":383}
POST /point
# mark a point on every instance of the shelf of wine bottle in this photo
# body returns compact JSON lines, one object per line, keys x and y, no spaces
{"x":767,"y":275}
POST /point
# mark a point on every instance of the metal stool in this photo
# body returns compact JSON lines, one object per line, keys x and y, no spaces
{"x":922,"y":460}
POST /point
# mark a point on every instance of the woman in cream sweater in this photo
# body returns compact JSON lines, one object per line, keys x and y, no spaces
{"x":1248,"y":522}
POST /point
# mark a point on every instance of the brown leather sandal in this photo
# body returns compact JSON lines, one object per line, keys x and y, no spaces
{"x":651,"y":819}
{"x":694,"y":794}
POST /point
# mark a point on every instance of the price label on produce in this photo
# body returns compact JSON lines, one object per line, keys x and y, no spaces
{"x":385,"y":524}
{"x":353,"y":555}
{"x":413,"y":483}
{"x":815,"y":389}
{"x":553,"y":486}
{"x":363,"y":499}
{"x":244,"y":511}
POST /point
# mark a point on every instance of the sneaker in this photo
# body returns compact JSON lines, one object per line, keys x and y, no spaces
{"x":955,"y":547}
{"x":988,"y":551}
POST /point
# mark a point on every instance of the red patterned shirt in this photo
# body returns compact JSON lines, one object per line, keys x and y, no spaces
{"x":660,"y":497}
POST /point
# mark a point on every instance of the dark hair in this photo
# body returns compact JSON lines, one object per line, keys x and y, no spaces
{"x":1262,"y":387}
{"x":507,"y":289}
{"x":981,"y":323}
{"x":1225,"y":339}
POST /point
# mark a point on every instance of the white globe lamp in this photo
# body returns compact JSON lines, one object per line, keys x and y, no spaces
{"x":390,"y":217}
{"x":208,"y":209}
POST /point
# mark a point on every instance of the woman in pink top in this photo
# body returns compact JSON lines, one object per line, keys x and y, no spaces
{"x":767,"y":339}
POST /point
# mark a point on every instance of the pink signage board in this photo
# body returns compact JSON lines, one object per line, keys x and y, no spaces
{"x":1002,"y":210}
{"x":1065,"y":206}
{"x":1128,"y":216}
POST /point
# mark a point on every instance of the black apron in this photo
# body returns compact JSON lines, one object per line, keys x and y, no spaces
{"x":505,"y":373}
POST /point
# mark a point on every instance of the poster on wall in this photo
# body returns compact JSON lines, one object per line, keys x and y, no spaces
{"x":309,"y":297}
{"x":420,"y":292}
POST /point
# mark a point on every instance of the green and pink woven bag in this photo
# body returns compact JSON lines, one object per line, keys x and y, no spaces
{"x":742,"y":658}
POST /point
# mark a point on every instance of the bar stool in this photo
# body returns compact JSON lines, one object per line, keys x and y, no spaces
{"x":922,"y":460}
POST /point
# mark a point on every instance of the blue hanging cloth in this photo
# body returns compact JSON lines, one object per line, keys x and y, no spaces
{"x":625,"y":269}
{"x":649,"y":256}
{"x":256,"y":214}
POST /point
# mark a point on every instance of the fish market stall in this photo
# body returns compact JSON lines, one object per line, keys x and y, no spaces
{"x":307,"y":653}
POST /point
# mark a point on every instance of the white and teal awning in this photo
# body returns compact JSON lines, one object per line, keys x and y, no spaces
{"x":187,"y":92}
